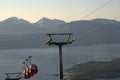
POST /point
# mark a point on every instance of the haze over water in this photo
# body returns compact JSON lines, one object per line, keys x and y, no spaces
{"x":46,"y":59}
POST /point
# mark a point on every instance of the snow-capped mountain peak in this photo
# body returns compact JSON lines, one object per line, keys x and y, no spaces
{"x":46,"y":22}
{"x":44,"y":19}
{"x":15,"y":20}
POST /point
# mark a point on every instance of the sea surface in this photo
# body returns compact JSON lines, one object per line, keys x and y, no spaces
{"x":47,"y":59}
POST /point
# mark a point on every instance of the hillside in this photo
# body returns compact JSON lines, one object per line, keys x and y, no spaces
{"x":96,"y":70}
{"x":93,"y":32}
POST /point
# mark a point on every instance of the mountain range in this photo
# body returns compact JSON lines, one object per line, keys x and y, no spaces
{"x":14,"y":25}
{"x":18,"y":33}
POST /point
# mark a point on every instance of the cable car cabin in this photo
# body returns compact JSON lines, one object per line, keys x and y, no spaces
{"x":28,"y":71}
{"x":9,"y":76}
{"x":33,"y":68}
{"x":26,"y":74}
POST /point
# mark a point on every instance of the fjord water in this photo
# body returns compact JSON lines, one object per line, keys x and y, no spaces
{"x":47,"y":59}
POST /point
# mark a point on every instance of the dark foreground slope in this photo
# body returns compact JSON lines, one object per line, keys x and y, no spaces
{"x":96,"y":70}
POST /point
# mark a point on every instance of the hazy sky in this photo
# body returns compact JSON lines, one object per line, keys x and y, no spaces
{"x":68,"y":10}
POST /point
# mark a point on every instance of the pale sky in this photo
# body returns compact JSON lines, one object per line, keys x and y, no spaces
{"x":67,"y":10}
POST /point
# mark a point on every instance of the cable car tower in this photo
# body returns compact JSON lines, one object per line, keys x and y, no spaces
{"x":54,"y":39}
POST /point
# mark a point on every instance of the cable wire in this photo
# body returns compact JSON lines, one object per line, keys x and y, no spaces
{"x":97,"y":27}
{"x":103,"y":5}
{"x":96,"y":9}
